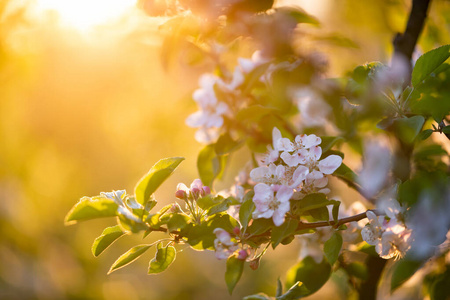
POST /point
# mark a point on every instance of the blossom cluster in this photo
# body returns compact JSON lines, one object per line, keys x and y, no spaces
{"x":292,"y":169}
{"x":210,"y":118}
{"x":123,"y":206}
{"x":388,"y":233}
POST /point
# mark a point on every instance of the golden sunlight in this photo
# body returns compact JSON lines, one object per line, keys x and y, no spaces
{"x":86,"y":14}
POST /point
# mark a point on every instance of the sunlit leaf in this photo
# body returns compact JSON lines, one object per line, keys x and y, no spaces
{"x":109,"y":236}
{"x":235,"y":267}
{"x":163,"y":259}
{"x":128,"y":257}
{"x":428,"y":63}
{"x":225,"y":144}
{"x":91,"y":208}
{"x":259,"y":296}
{"x":357,"y":269}
{"x":155,"y":177}
{"x":209,"y":165}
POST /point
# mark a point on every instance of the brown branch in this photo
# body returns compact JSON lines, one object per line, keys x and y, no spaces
{"x":337,"y":223}
{"x":404,"y":44}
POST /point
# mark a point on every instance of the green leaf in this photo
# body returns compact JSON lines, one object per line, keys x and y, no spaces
{"x":209,"y":165}
{"x":313,"y":275}
{"x":312,"y":201}
{"x":284,"y":230}
{"x":109,"y":236}
{"x":425,"y":134}
{"x":346,"y":174}
{"x":428,"y":63}
{"x":163,"y":259}
{"x":298,"y":290}
{"x":259,"y":226}
{"x":91,"y":208}
{"x":226,"y":145}
{"x":155,"y":177}
{"x":403,"y":270}
{"x":128,"y":257}
{"x":329,"y":141}
{"x":408,"y":128}
{"x":332,"y":247}
{"x":246,"y":210}
{"x":235,"y":267}
{"x":177,"y":222}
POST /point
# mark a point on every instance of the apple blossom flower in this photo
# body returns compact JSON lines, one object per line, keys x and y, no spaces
{"x":123,"y":209}
{"x":115,"y":195}
{"x":196,"y":190}
{"x":209,"y":118}
{"x":269,"y":205}
{"x":223,"y":244}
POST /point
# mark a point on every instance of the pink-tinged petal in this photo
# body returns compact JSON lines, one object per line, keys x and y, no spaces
{"x":372,"y":217}
{"x":330,"y":164}
{"x":183,"y":187}
{"x":273,"y":156}
{"x":278,"y":218}
{"x":315,"y":152}
{"x":284,"y":194}
{"x":284,"y":144}
{"x":263,"y":196}
{"x":258,"y":174}
{"x":320,"y":183}
{"x":290,"y":160}
{"x":314,"y":175}
{"x":223,"y":236}
{"x":280,"y":171}
{"x":299,"y":175}
{"x":265,"y":214}
{"x":197,"y":183}
{"x":369,"y":236}
{"x":324,"y":191}
{"x":276,"y":135}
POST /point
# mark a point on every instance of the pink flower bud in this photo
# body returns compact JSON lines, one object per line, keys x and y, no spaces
{"x":195,"y":192}
{"x":242,"y":255}
{"x":206,"y":191}
{"x":237,"y":230}
{"x":180,"y":194}
{"x":254,"y":264}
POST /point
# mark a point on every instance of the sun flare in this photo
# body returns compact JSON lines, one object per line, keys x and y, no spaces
{"x":86,"y":14}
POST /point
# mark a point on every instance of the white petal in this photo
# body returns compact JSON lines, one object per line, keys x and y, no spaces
{"x":330,"y":164}
{"x":311,"y":140}
{"x":258,"y":174}
{"x":278,"y":218}
{"x":284,"y":144}
{"x":315,"y":152}
{"x":299,"y":175}
{"x":196,"y":119}
{"x":276,"y":135}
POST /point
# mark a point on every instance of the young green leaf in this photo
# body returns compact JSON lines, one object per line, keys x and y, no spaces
{"x":428,"y":63}
{"x":109,"y":236}
{"x":91,"y":208}
{"x":226,"y":145}
{"x":259,"y":296}
{"x":280,"y":232}
{"x":235,"y":267}
{"x":209,"y":165}
{"x":128,"y":257}
{"x":155,"y":177}
{"x":246,"y":210}
{"x":408,"y":128}
{"x":332,"y":247}
{"x":312,"y":201}
{"x":425,"y":134}
{"x":163,"y":259}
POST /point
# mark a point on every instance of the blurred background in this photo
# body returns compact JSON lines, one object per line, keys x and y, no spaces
{"x":86,"y":106}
